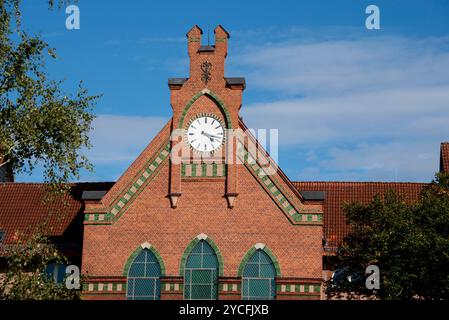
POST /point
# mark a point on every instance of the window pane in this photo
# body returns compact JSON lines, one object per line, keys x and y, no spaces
{"x":254,"y":258}
{"x":141,"y":257}
{"x":202,"y":292}
{"x":144,"y":287}
{"x":207,"y":249}
{"x":194,"y":261}
{"x":258,"y":278}
{"x":210,"y":261}
{"x":143,"y":277}
{"x":153,"y":270}
{"x":251,"y":270}
{"x":259,"y":288}
{"x":267,"y":271}
{"x":137,"y":270}
{"x":130,"y":287}
{"x":187,"y":292}
{"x":56,"y":272}
{"x":198,"y":248}
{"x":200,"y":277}
{"x":264,"y":258}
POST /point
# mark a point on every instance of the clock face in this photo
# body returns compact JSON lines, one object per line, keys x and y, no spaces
{"x":205,"y":134}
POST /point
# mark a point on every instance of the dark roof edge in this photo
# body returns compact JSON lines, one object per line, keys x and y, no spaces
{"x":313,"y":195}
{"x":176,"y":81}
{"x":236,"y":81}
{"x":360,"y":182}
{"x":207,"y":48}
{"x":93,"y":194}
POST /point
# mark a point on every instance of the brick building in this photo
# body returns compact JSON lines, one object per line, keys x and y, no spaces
{"x":212,"y":227}
{"x":203,"y":214}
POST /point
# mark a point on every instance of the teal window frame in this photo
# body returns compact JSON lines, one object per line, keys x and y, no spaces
{"x":259,"y":277}
{"x":144,"y":277}
{"x":201,"y":273}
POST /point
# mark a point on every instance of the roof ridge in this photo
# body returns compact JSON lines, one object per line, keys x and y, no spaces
{"x":46,"y":183}
{"x":22,"y":183}
{"x":362,"y":182}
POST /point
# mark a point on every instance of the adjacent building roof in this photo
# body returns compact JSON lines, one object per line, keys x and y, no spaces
{"x":25,"y":207}
{"x":339,"y":193}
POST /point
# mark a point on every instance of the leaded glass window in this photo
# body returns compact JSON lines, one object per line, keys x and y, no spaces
{"x":144,"y":277}
{"x":201,"y":273}
{"x":258,"y":278}
{"x":55,"y":271}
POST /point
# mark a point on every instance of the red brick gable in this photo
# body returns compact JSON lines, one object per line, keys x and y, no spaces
{"x":143,"y":170}
{"x":171,"y":196}
{"x":161,"y":138}
{"x":444,"y":157}
{"x":339,"y":193}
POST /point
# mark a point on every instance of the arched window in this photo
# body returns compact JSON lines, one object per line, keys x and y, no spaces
{"x":258,"y":277}
{"x":144,"y":277}
{"x":201,"y":273}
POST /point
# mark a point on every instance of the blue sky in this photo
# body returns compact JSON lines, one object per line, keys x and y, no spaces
{"x":350,"y":103}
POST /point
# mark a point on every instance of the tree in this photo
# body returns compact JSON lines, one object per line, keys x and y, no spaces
{"x":39,"y":123}
{"x":408,"y":242}
{"x":26,"y":278}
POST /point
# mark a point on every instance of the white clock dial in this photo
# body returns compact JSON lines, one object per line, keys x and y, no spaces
{"x":205,"y":134}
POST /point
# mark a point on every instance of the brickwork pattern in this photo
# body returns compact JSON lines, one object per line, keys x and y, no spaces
{"x":258,"y":215}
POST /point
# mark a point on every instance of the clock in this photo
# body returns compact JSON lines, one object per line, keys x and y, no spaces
{"x":205,"y":134}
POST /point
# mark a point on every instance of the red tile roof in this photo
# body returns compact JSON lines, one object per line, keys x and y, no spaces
{"x":22,"y":209}
{"x":444,"y":157}
{"x":339,"y":193}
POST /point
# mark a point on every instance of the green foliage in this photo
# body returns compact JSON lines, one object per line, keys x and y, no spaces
{"x":39,"y":123}
{"x":408,"y":242}
{"x":26,"y":278}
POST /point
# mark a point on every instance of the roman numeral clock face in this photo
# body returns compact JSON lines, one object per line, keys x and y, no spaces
{"x":205,"y":134}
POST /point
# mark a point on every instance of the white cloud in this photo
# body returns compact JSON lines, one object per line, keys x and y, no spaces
{"x":338,"y":66}
{"x":362,"y":109}
{"x":120,"y":139}
{"x":387,"y":114}
{"x":391,"y":161}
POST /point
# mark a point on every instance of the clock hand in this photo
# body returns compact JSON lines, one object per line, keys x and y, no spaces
{"x":208,"y":135}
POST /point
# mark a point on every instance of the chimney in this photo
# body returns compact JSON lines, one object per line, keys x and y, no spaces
{"x":444,"y":157}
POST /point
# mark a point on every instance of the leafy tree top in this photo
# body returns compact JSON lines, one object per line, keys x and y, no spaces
{"x":39,"y":123}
